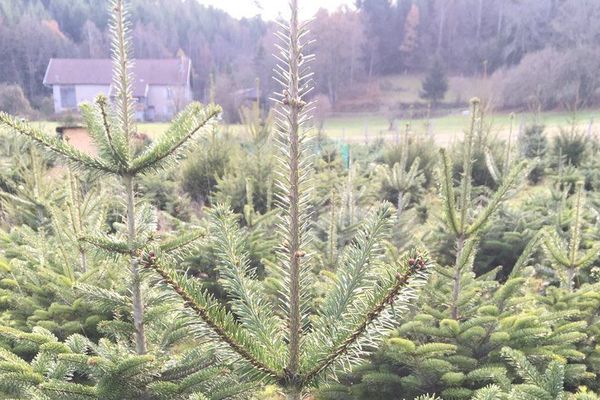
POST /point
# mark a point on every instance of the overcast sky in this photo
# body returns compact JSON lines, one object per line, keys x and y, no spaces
{"x":270,"y":9}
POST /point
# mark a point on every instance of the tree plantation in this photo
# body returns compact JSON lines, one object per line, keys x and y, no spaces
{"x":273,"y":262}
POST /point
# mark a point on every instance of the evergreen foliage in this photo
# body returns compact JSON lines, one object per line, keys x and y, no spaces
{"x":108,"y":370}
{"x":566,"y":256}
{"x":284,"y":344}
{"x":112,"y":132}
{"x":285,"y":277}
{"x":435,"y":84}
{"x":80,"y":369}
{"x":404,"y":180}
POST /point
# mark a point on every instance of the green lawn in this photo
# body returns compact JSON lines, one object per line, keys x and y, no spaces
{"x":360,"y":128}
{"x":446,"y":129}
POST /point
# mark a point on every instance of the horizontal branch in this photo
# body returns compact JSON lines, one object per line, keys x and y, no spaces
{"x":402,"y":281}
{"x":58,"y":146}
{"x":215,"y":326}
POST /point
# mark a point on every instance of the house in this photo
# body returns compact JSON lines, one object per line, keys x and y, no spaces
{"x":162,"y":87}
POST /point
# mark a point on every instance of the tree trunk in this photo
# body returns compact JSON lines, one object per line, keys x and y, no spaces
{"x":460,"y":244}
{"x":294,"y":196}
{"x":293,"y":395}
{"x":571,"y":278}
{"x":479,"y":21}
{"x":400,"y":203}
{"x":136,"y":291}
{"x":441,"y":27}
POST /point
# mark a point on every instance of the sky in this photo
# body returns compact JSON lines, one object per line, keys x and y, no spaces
{"x":270,"y":9}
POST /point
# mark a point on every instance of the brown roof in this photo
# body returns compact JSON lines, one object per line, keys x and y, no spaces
{"x":79,"y":71}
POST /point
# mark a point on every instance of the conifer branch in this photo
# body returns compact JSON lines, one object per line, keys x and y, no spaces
{"x":359,"y":262}
{"x":166,"y":148}
{"x":69,"y":390}
{"x":508,"y":183}
{"x":115,"y":143}
{"x":465,"y":194}
{"x":213,"y":315}
{"x":448,"y":196}
{"x":416,"y":266}
{"x":491,"y":165}
{"x":525,"y":256}
{"x":75,"y":157}
{"x":555,"y":248}
{"x":108,"y":244}
{"x":248,"y":301}
{"x":182,"y":241}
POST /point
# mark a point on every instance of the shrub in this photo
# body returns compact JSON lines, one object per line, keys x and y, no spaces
{"x":202,"y":172}
{"x":571,"y":146}
{"x":13,"y":100}
{"x":533,"y":145}
{"x":551,"y":78}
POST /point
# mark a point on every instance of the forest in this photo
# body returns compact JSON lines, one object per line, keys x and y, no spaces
{"x":272,"y":262}
{"x":514,"y":44}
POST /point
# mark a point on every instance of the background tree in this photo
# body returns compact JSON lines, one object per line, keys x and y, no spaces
{"x":435,"y":84}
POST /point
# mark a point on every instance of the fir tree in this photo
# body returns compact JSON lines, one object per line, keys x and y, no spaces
{"x":435,"y":84}
{"x":403,"y":179}
{"x":533,"y":145}
{"x":289,"y":345}
{"x":80,"y":369}
{"x":113,"y":132}
{"x":566,"y":256}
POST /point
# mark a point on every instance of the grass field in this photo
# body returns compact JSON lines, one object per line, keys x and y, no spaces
{"x":445,"y":129}
{"x":358,"y":128}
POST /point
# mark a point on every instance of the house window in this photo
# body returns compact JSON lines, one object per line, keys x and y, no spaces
{"x":67,"y":97}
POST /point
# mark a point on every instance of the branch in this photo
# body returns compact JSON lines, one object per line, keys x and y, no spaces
{"x":402,"y":281}
{"x":525,"y":256}
{"x":58,"y":146}
{"x":182,"y":241}
{"x":509,"y":182}
{"x":448,"y":193}
{"x":189,"y":122}
{"x":107,"y":244}
{"x":213,"y":315}
{"x":120,"y":154}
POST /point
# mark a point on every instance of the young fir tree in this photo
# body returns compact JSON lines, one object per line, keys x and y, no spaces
{"x":536,"y":385}
{"x":566,"y":257}
{"x":41,"y":367}
{"x":81,"y":369}
{"x":113,"y":131}
{"x":289,"y":344}
{"x":576,"y":295}
{"x":403,"y":179}
{"x":452,"y":345}
{"x":435,"y":84}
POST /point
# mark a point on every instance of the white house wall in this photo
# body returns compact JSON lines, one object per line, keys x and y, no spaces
{"x":168,"y":100}
{"x":83,"y":93}
{"x":89,"y":92}
{"x":56,"y":97}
